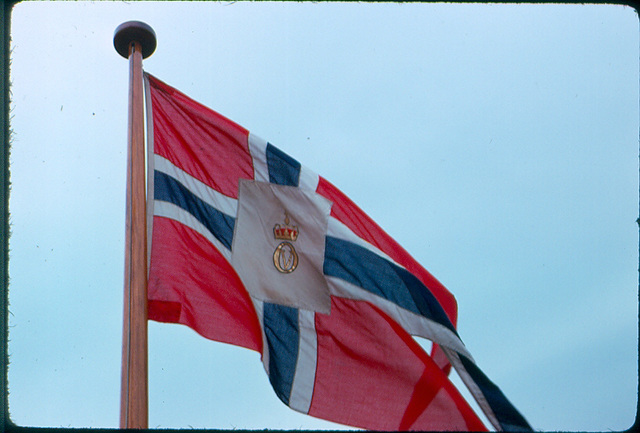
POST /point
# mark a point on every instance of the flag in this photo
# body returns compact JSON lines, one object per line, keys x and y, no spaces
{"x":249,"y":247}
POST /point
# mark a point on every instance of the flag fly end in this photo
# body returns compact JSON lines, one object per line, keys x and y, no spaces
{"x":134,"y":31}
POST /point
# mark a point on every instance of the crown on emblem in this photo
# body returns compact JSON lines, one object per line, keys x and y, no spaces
{"x":286,"y":232}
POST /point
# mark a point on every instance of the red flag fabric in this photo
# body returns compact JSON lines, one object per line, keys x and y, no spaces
{"x":249,"y":247}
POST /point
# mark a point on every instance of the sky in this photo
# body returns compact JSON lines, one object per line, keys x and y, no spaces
{"x":497,"y":143}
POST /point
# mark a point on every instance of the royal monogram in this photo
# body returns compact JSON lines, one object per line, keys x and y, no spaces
{"x":285,"y":257}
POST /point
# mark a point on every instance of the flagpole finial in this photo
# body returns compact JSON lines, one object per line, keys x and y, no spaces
{"x":134,"y":31}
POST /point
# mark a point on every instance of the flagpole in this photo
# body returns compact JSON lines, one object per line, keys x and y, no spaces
{"x":134,"y":41}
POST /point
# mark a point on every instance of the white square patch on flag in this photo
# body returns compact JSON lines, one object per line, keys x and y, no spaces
{"x":278,"y":245}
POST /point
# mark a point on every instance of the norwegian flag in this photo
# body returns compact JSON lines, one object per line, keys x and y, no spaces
{"x":251,"y":248}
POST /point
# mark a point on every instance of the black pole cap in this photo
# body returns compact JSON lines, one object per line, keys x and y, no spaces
{"x":134,"y":31}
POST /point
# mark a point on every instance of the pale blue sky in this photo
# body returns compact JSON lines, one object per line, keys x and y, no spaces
{"x":497,"y":143}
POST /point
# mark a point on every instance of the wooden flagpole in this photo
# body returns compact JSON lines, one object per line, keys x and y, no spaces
{"x":134,"y":41}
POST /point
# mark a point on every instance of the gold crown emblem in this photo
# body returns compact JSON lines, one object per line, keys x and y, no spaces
{"x":286,"y":232}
